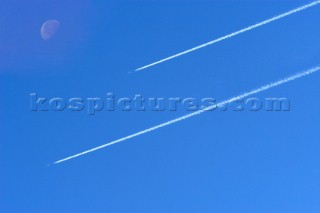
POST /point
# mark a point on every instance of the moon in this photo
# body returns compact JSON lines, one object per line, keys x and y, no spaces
{"x":49,"y":29}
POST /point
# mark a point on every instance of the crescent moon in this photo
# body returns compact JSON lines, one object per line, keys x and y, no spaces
{"x":49,"y":29}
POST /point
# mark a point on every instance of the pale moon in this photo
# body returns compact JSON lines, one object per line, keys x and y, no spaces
{"x":49,"y":29}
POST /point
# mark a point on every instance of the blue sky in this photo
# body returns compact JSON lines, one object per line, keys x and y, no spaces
{"x":216,"y":162}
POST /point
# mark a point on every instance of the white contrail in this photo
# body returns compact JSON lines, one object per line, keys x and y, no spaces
{"x":314,"y":3}
{"x":263,"y":88}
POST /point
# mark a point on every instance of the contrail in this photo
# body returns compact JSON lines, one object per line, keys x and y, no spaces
{"x":314,"y":3}
{"x":261,"y":89}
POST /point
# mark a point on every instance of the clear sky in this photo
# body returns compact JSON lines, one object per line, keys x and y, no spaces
{"x":216,"y":162}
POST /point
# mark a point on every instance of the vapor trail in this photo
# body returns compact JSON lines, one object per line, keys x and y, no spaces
{"x":314,"y":3}
{"x":261,"y":89}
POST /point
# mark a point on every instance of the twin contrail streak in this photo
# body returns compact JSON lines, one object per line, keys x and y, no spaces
{"x":312,"y":4}
{"x":261,"y":89}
